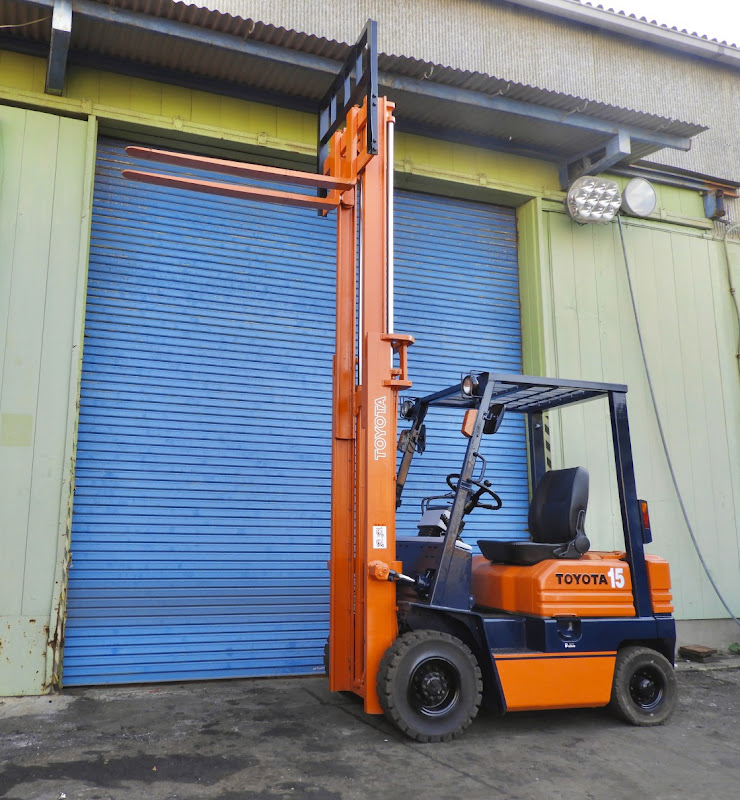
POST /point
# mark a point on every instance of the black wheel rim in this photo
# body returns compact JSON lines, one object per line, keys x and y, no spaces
{"x":647,"y":688}
{"x":434,"y":687}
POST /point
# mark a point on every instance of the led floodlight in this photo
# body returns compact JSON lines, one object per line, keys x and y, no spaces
{"x":593,"y":200}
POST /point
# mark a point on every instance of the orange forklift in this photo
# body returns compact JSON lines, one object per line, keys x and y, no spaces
{"x":535,"y":623}
{"x":420,"y":628}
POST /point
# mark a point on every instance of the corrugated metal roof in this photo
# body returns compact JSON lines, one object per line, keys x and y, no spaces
{"x":193,"y":58}
{"x":576,"y":10}
{"x":575,"y":49}
{"x":478,"y":82}
{"x":652,"y":23}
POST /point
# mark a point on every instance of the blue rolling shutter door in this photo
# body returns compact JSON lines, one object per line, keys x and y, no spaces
{"x":201,"y":520}
{"x":457,"y":292}
{"x":201,"y":516}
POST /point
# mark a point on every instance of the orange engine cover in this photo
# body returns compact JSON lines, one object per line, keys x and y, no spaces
{"x":597,"y":585}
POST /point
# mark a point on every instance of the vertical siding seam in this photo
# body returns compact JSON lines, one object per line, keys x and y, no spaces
{"x":66,"y":499}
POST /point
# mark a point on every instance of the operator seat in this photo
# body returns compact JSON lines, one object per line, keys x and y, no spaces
{"x":556,"y":518}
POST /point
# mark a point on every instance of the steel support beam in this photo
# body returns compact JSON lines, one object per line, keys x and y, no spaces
{"x":668,"y":177}
{"x":182,"y":31}
{"x":532,"y":111}
{"x":617,"y":149}
{"x":61,"y":32}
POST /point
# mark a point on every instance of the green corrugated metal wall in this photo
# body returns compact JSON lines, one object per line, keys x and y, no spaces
{"x":690,"y":335}
{"x":43,"y":231}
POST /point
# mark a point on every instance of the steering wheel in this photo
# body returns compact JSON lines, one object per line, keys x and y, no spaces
{"x":474,"y":501}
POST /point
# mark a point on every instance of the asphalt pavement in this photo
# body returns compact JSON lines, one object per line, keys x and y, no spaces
{"x":274,"y":739}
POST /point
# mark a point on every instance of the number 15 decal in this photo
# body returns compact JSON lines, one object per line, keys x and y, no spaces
{"x":616,"y":577}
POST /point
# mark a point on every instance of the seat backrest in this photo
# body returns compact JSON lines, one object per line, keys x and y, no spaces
{"x":559,"y":502}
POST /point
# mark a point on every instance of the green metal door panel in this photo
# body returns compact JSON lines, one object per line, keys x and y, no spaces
{"x":43,"y":229}
{"x":728,"y":400}
{"x":679,"y":280}
{"x":580,"y":435}
{"x":59,"y":353}
{"x":714,"y":393}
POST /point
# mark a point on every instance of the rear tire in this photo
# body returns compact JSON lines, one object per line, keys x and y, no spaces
{"x":645,"y":689}
{"x":430,"y":685}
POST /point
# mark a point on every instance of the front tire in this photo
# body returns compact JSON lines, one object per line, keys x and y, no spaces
{"x":645,"y":689}
{"x":430,"y":685}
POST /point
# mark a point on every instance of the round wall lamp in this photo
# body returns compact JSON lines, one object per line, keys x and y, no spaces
{"x":639,"y":198}
{"x":593,"y":200}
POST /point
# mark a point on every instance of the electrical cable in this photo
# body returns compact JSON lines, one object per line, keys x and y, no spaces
{"x":662,"y":434}
{"x":23,"y":24}
{"x":732,"y":289}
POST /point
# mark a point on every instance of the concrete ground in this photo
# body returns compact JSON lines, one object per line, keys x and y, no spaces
{"x":278,"y":739}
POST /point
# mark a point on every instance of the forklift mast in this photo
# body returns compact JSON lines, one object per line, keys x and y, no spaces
{"x":363,"y":620}
{"x":355,"y":178}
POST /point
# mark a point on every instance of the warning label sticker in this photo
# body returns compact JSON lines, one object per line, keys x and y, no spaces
{"x":380,"y":537}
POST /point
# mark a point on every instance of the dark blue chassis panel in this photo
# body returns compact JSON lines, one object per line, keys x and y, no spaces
{"x":589,"y":635}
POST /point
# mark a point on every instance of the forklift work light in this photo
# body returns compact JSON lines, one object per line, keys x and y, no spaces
{"x":593,"y":200}
{"x":407,"y":409}
{"x":469,"y":385}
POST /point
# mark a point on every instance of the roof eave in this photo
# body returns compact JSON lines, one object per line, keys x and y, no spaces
{"x":636,"y":29}
{"x":580,"y":141}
